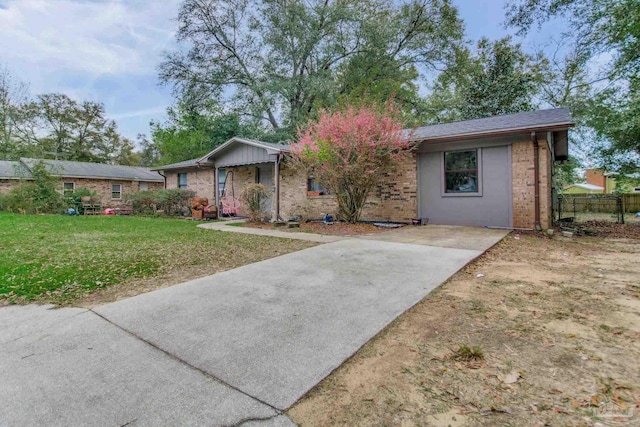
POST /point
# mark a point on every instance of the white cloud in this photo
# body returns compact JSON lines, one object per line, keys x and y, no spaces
{"x":94,"y":37}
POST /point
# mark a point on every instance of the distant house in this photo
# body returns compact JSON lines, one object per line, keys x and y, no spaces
{"x":110,"y":182}
{"x":583,"y":189}
{"x":506,"y":180}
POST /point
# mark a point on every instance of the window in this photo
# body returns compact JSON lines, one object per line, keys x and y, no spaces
{"x":116,"y":191}
{"x":461,"y":172}
{"x":144,"y":186}
{"x":68,"y":188}
{"x":314,"y":187}
{"x":182,"y":181}
{"x":222,"y":180}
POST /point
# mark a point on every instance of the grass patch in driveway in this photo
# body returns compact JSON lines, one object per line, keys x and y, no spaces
{"x":86,"y":259}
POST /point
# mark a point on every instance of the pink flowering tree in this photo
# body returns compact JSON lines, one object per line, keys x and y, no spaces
{"x":351,"y":152}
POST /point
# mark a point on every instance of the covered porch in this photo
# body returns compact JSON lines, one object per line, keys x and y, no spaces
{"x":240,"y":162}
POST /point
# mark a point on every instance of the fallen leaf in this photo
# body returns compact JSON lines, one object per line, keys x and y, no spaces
{"x":594,"y":400}
{"x":554,"y":391}
{"x":511,"y":377}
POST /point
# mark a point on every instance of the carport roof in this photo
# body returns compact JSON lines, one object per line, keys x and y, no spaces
{"x":527,"y":121}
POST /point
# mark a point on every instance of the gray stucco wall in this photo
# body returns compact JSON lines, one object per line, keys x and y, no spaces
{"x":492,"y":207}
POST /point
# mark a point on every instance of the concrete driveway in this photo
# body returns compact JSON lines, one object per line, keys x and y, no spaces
{"x":238,"y":347}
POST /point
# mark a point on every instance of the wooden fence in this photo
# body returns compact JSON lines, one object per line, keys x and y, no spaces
{"x":600,"y":202}
{"x":631,"y":202}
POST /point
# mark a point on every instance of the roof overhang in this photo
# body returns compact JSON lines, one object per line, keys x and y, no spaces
{"x":497,"y":132}
{"x":196,"y":165}
{"x":235,"y":140}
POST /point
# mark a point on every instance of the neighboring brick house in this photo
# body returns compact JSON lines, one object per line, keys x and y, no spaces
{"x":111,"y":182}
{"x":496,"y":171}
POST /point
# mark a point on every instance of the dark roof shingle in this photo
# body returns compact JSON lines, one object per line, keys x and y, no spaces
{"x":67,"y":168}
{"x":13,"y":170}
{"x":507,"y":122}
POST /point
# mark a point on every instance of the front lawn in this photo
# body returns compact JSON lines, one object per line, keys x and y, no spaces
{"x":65,"y":259}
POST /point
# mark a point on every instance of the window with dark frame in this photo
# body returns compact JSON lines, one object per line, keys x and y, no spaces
{"x":313,"y":186}
{"x":182,"y":181}
{"x":222,"y":181}
{"x":68,"y":188}
{"x":116,"y":191}
{"x":461,"y":172}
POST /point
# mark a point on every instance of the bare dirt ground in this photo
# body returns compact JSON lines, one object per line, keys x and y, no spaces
{"x":335,"y":229}
{"x":537,"y":332}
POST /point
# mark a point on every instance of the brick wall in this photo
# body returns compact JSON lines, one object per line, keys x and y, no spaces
{"x":8,"y":184}
{"x":202,"y":181}
{"x":395,"y":200}
{"x":523,"y":191}
{"x":103,"y":188}
{"x":596,"y":177}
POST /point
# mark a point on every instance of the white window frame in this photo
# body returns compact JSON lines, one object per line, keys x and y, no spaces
{"x":443,"y":178}
{"x":119,"y":191}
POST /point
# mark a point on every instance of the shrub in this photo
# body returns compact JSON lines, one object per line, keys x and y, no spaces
{"x":351,"y":152}
{"x":253,"y":195}
{"x":39,"y":195}
{"x":171,"y":202}
{"x":144,"y":202}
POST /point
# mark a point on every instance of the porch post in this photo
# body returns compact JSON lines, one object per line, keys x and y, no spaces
{"x":277,"y":189}
{"x":216,"y":177}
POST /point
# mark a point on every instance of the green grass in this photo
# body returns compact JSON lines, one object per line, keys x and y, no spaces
{"x":61,"y":258}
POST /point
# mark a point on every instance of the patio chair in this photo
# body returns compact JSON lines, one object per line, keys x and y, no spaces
{"x":230,"y":205}
{"x":96,"y":203}
{"x":87,"y":206}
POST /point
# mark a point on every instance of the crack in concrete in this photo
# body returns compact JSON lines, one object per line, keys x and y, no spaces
{"x":202,"y":371}
{"x":248,"y":420}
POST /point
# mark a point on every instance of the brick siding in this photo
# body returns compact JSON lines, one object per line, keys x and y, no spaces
{"x":395,"y":200}
{"x":523,"y":191}
{"x":202,"y":181}
{"x":101,"y":186}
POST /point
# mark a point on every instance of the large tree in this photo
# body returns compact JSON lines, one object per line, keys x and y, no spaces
{"x":13,"y":96}
{"x":601,"y":29}
{"x":498,"y":78}
{"x":193,"y":129}
{"x":72,"y":130}
{"x":276,"y":62}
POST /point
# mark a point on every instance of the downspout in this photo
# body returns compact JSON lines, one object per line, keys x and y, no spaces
{"x":164,"y":177}
{"x":536,"y":182}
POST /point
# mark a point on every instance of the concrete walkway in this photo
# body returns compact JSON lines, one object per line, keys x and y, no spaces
{"x":310,"y":237}
{"x":235,"y":348}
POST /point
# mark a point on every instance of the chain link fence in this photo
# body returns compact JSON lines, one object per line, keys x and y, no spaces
{"x":589,"y":208}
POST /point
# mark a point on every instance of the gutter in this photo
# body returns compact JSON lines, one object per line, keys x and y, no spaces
{"x":536,"y":176}
{"x":164,"y":179}
{"x":444,"y":138}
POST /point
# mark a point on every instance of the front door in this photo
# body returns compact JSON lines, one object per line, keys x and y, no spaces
{"x":264,"y":176}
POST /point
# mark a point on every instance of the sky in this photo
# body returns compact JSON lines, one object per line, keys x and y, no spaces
{"x":109,"y":50}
